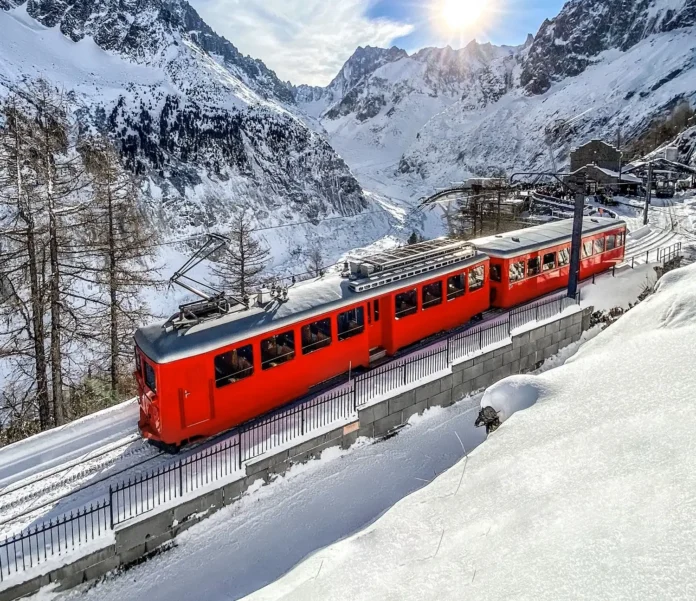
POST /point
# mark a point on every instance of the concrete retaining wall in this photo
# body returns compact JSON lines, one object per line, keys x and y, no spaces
{"x":137,"y":539}
{"x":524,"y":353}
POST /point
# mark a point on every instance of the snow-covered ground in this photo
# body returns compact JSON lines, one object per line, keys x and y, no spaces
{"x":586,"y":494}
{"x":259,"y":539}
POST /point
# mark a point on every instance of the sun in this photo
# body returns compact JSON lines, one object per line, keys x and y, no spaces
{"x":460,"y":15}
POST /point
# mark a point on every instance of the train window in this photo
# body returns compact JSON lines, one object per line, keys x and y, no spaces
{"x":375,"y":307}
{"x":432,"y":295}
{"x":587,"y":249}
{"x":611,"y":242}
{"x":351,"y":323}
{"x":549,"y":262}
{"x":533,"y":267}
{"x":516,"y":271}
{"x":138,"y":365}
{"x":316,"y":335}
{"x":150,"y":381}
{"x":620,"y":239}
{"x":406,"y":303}
{"x":598,"y":246}
{"x":277,"y":349}
{"x":496,"y":272}
{"x":455,"y":286}
{"x":234,"y":365}
{"x":476,"y":277}
{"x":563,"y":257}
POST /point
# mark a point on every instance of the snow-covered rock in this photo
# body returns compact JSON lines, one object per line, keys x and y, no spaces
{"x":511,"y":395}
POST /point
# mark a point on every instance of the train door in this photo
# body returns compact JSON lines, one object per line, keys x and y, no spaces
{"x":194,"y":399}
{"x":374,"y":323}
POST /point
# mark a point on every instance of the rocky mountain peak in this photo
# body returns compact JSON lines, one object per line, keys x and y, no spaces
{"x":567,"y":45}
{"x":143,"y":29}
{"x":363,"y":62}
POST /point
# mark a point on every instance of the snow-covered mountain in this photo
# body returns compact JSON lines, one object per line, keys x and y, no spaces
{"x":417,"y":122}
{"x":379,"y":102}
{"x":209,"y":128}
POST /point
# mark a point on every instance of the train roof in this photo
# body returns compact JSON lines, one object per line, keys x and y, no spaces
{"x":542,"y":236}
{"x":305,"y":300}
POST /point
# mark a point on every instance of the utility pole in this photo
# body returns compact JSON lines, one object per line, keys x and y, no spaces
{"x":576,"y":241}
{"x":648,"y":192}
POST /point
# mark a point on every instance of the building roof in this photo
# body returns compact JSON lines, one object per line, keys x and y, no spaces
{"x":624,"y":177}
{"x":305,"y":300}
{"x":541,"y":236}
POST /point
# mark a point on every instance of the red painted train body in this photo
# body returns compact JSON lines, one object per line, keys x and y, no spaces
{"x":200,"y":381}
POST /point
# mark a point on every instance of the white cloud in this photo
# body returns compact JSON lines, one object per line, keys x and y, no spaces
{"x":304,"y":41}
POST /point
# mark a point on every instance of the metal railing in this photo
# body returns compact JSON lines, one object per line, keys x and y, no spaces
{"x":37,"y":545}
{"x":664,"y":255}
{"x":400,"y":373}
{"x":144,"y":493}
{"x":284,"y":425}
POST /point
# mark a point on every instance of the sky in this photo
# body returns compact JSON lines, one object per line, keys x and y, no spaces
{"x":307,"y":41}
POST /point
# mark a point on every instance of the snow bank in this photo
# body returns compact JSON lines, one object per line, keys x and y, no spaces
{"x":641,"y":232}
{"x":586,"y":494}
{"x":608,"y":292}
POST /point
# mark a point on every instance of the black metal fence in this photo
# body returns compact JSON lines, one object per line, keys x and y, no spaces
{"x":399,"y":373}
{"x":57,"y":537}
{"x":144,"y":493}
{"x":141,"y":494}
{"x":282,"y":426}
{"x":665,"y":255}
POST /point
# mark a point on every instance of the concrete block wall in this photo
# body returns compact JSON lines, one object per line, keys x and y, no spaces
{"x":524,"y":353}
{"x":143,"y":536}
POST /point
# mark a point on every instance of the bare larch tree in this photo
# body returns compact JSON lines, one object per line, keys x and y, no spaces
{"x":20,"y":262}
{"x":243,"y":260}
{"x":122,"y":257}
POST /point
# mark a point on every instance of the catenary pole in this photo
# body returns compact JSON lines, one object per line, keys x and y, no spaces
{"x":576,"y":240}
{"x":648,"y":192}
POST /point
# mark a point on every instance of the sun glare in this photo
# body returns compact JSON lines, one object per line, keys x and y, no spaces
{"x":460,"y":15}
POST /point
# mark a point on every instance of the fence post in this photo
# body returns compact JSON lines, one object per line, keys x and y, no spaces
{"x":302,"y":416}
{"x":239,"y":451}
{"x":355,"y":395}
{"x":111,"y":507}
{"x":181,"y":479}
{"x":593,"y":277}
{"x":448,"y":350}
{"x":647,"y":256}
{"x":633,"y":258}
{"x":613,"y":270}
{"x":480,"y":338}
{"x":403,"y":365}
{"x":537,"y":313}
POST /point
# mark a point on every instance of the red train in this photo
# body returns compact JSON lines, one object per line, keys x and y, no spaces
{"x":198,"y":380}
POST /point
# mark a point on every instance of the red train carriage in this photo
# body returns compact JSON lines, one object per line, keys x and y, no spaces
{"x":201,"y":380}
{"x":529,"y":263}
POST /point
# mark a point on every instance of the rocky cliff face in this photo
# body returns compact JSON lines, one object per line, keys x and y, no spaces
{"x":208,"y":128}
{"x":575,"y":39}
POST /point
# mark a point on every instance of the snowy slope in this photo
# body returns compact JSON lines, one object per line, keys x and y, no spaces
{"x":416,"y":123}
{"x":377,"y":105}
{"x":623,"y":89}
{"x":589,"y":493}
{"x":209,"y":129}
